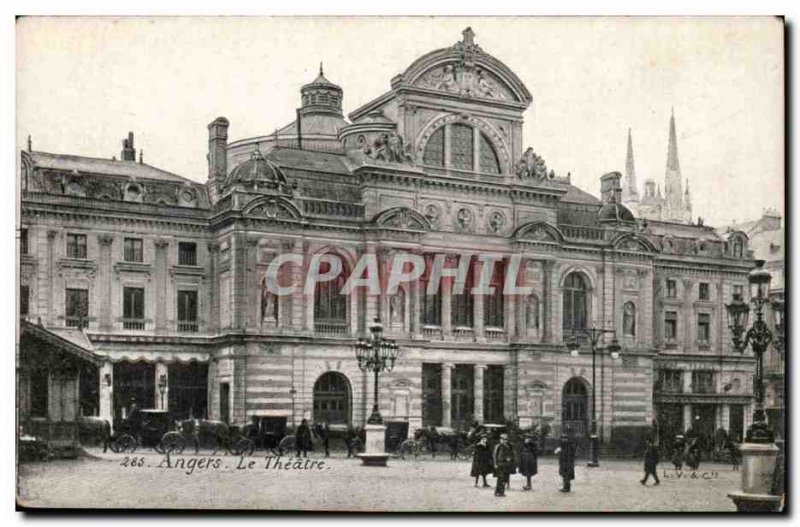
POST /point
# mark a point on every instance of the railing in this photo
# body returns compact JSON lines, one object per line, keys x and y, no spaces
{"x":703,"y":388}
{"x":331,"y":328}
{"x":584,"y":233}
{"x":76,"y":322}
{"x":76,"y":251}
{"x":133,"y":323}
{"x":187,"y":257}
{"x":432,"y":332}
{"x":310,"y":145}
{"x":133,"y":254}
{"x":495,"y":334}
{"x":463,"y":332}
{"x":187,"y":327}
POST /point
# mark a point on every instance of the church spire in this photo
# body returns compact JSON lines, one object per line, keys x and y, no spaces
{"x":672,"y":150}
{"x":629,"y":192}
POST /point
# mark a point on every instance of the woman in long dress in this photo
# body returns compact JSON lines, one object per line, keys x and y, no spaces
{"x":482,"y":461}
{"x":528,"y":461}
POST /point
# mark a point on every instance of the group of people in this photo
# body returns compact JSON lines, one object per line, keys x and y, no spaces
{"x":502,"y":462}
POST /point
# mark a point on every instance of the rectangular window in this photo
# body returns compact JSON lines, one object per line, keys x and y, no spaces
{"x":703,"y":328}
{"x":493,"y":394}
{"x":703,"y":293}
{"x":187,"y":311}
{"x":670,"y":381}
{"x":133,"y":308}
{"x":430,"y":305}
{"x":670,"y":325}
{"x":76,"y":245}
{"x":702,"y":381}
{"x":187,"y":253}
{"x":133,"y":249}
{"x":672,"y":289}
{"x":24,"y":299}
{"x":39,"y":393}
{"x":77,"y":308}
{"x":494,"y":303}
{"x":23,"y":241}
{"x":738,"y":290}
{"x":461,"y":304}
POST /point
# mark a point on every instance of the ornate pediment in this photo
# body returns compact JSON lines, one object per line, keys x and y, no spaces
{"x":273,"y":208}
{"x":633,"y":243}
{"x":465,"y":80}
{"x":402,"y":218}
{"x":538,"y":231}
{"x":531,"y":166}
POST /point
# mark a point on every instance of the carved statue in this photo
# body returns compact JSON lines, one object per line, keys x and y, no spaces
{"x":268,"y":311}
{"x":531,"y":166}
{"x":447,"y":82}
{"x":484,"y":87}
{"x":496,"y":221}
{"x":629,"y":319}
{"x":432,"y":214}
{"x":389,"y":148}
{"x":464,"y":218}
{"x":396,"y":309}
{"x":532,"y":312}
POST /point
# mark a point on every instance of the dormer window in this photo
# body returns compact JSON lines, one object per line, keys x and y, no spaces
{"x":461,"y":147}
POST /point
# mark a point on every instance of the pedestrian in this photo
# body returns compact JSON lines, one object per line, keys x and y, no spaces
{"x":453,"y":443}
{"x":566,"y":462}
{"x":303,"y":439}
{"x":433,"y":438}
{"x":350,"y":441}
{"x":528,"y":460}
{"x":677,"y":453}
{"x":650,"y":462}
{"x":324,"y":433}
{"x":693,"y":455}
{"x":503,"y":459}
{"x":734,"y":454}
{"x":481,"y":461}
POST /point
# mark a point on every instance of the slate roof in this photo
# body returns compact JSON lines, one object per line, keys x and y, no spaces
{"x":103,"y":166}
{"x":576,"y":195}
{"x":309,"y":160}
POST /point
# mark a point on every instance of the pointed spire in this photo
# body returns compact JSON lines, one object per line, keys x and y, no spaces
{"x":629,"y":192}
{"x":30,"y":144}
{"x":141,"y":156}
{"x":672,"y":149}
{"x":321,"y":73}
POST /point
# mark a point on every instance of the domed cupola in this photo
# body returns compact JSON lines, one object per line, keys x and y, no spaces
{"x":614,"y":212}
{"x":256,"y":173}
{"x":321,"y":96}
{"x":611,"y":191}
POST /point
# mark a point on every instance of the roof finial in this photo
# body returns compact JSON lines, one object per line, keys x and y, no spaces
{"x":469,"y":37}
{"x":320,"y":68}
{"x":29,"y":143}
{"x":141,"y":155}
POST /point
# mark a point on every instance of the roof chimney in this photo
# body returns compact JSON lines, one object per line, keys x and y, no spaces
{"x":611,"y":187}
{"x":128,"y":151}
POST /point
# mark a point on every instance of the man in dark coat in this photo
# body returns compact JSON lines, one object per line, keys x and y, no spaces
{"x":566,"y":462}
{"x":693,"y":455}
{"x":350,"y":441}
{"x":324,"y":434}
{"x":481,"y":461}
{"x":503,"y":464}
{"x":303,"y":439}
{"x":528,"y":460}
{"x":650,"y":462}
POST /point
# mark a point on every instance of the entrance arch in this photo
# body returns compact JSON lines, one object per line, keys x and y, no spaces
{"x":574,"y":407}
{"x":332,"y":399}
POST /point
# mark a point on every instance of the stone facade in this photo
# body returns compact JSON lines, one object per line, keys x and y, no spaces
{"x":435,"y":165}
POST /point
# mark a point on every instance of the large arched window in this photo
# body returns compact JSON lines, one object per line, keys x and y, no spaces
{"x":575,"y":303}
{"x":461,"y":147}
{"x":330,"y":306}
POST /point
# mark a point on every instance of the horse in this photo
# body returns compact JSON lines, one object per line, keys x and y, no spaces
{"x":96,"y":428}
{"x":198,"y":429}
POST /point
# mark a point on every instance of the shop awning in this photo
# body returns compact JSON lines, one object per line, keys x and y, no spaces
{"x":33,"y":338}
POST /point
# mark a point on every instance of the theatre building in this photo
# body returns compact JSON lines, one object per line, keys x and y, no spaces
{"x":160,"y":280}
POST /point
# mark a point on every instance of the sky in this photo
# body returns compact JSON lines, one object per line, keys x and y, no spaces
{"x":83,"y":83}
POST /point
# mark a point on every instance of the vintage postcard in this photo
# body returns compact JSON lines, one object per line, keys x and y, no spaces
{"x":400,"y":264}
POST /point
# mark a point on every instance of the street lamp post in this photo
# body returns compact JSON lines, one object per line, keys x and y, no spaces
{"x":759,"y":452}
{"x":375,"y":355}
{"x":613,"y":348}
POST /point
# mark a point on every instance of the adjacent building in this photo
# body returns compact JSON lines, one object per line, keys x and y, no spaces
{"x":161,"y":279}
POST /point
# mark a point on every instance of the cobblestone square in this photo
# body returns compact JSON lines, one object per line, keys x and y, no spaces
{"x":341,"y":484}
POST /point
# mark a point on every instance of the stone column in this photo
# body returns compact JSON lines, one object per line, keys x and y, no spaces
{"x":446,"y":386}
{"x":687,"y":416}
{"x":726,"y":417}
{"x":104,"y":274}
{"x":478,"y":378}
{"x":687,"y":381}
{"x":547,"y":320}
{"x":161,"y":286}
{"x":51,"y":276}
{"x":478,"y":302}
{"x":162,"y":403}
{"x":415,"y":314}
{"x":106,"y":391}
{"x":212,"y":311}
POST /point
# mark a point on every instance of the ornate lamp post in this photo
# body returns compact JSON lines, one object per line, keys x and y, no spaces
{"x":777,"y":311}
{"x":375,"y":355}
{"x":613,"y":349}
{"x":162,"y":388}
{"x":758,"y":451}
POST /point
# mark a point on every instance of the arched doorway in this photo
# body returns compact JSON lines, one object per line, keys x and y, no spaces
{"x":332,"y":398}
{"x":574,"y":405}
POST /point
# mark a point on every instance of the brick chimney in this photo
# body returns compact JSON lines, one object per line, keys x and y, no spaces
{"x":128,"y":151}
{"x":217,"y":155}
{"x":611,"y":187}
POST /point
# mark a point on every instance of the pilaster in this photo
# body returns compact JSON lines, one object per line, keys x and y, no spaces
{"x":446,"y":394}
{"x":478,"y":411}
{"x":161,"y":274}
{"x":104,"y":275}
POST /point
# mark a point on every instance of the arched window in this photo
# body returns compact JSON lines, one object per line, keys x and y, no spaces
{"x":629,"y":319}
{"x":462,"y":305}
{"x":574,"y":401}
{"x":332,"y":398}
{"x":330,"y":306}
{"x":458,"y":147}
{"x":493,"y":304}
{"x":574,"y":301}
{"x":430,"y":304}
